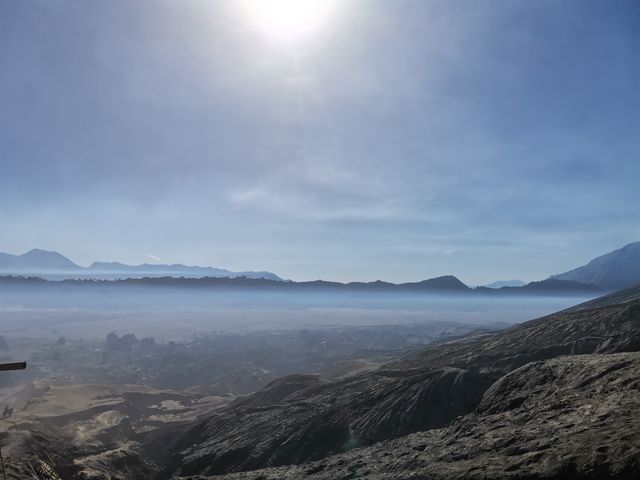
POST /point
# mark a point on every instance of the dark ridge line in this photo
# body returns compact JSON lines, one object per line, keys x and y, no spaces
{"x":444,"y":284}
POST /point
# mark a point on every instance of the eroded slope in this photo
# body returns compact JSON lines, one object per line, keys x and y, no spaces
{"x":571,"y":417}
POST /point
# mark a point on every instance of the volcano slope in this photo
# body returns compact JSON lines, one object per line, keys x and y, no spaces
{"x":550,"y":398}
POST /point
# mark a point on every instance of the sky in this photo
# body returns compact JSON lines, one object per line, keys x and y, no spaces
{"x":487,"y":139}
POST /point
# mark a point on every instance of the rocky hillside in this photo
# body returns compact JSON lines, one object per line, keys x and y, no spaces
{"x":569,"y":417}
{"x":298,"y":419}
{"x":606,"y":325}
{"x":302,"y":418}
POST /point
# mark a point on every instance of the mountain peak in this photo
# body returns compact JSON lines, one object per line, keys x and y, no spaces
{"x":444,"y":282}
{"x":36,"y":260}
{"x":39,"y":250}
{"x":506,"y":283}
{"x":612,"y":271}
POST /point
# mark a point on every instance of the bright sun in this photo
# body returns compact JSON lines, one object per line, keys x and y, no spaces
{"x":289,"y":20}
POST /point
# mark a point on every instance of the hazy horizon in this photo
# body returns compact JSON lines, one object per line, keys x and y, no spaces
{"x":92,"y":272}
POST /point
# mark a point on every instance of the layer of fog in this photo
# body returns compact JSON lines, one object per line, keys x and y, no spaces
{"x":225,"y":342}
{"x":182,"y":313}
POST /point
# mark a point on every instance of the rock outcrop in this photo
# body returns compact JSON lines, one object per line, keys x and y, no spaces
{"x":573,"y":417}
{"x":302,"y":418}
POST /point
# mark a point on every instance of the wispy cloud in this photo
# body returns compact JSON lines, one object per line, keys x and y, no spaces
{"x":320,"y":188}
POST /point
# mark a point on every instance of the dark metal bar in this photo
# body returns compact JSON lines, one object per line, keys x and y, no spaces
{"x":13,"y":366}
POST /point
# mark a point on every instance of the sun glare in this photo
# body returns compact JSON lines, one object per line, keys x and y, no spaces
{"x":289,"y":20}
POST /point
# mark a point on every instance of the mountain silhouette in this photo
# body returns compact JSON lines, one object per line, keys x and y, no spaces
{"x":613,"y":271}
{"x":448,"y":285}
{"x":174,"y":270}
{"x":552,"y":286}
{"x":505,"y":283}
{"x":36,"y":261}
{"x":43,"y":262}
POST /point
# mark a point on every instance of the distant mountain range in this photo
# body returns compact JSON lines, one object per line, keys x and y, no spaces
{"x":54,"y":265}
{"x":506,"y":283}
{"x":447,"y":284}
{"x":549,"y":286}
{"x":613,"y":271}
{"x":36,"y":261}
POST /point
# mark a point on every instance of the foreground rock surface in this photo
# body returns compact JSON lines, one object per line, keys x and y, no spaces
{"x":93,"y":431}
{"x":303,"y":418}
{"x":570,"y":417}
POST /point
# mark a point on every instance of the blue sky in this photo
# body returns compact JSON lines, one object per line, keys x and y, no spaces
{"x":408,"y":139}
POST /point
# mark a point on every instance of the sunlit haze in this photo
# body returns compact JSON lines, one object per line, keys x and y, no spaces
{"x":289,"y":20}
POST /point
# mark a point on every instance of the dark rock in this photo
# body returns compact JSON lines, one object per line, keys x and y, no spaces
{"x":120,"y":344}
{"x":301,"y":418}
{"x":571,"y":417}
